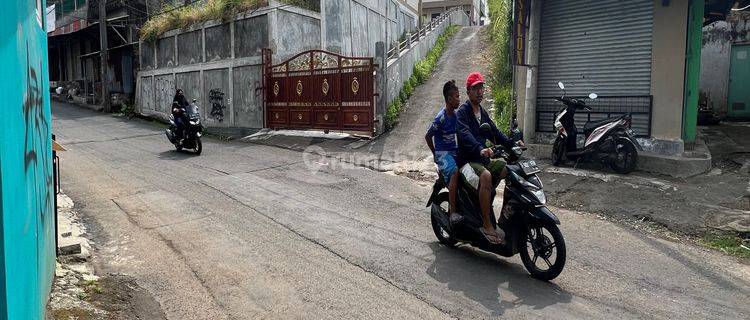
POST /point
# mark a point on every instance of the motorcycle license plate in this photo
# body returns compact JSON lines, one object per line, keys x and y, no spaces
{"x":529,"y":166}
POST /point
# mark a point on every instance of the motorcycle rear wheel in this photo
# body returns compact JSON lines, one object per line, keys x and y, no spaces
{"x":535,"y":239}
{"x":443,"y":235}
{"x":625,"y":158}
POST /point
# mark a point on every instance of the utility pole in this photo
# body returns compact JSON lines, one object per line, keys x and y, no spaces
{"x":104,"y":54}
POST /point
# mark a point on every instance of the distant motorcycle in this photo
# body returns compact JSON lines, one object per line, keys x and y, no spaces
{"x":530,"y":227}
{"x":190,"y":135}
{"x":610,"y":141}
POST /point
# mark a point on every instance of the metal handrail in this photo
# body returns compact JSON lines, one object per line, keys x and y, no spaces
{"x":421,"y":32}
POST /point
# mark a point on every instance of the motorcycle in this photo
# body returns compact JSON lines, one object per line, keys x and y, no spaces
{"x":531,"y":229}
{"x":611,"y":141}
{"x":192,"y":129}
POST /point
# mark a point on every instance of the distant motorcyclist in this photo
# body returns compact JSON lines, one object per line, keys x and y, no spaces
{"x":179,"y":103}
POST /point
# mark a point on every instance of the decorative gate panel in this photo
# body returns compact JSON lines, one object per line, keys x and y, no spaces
{"x":320,"y":90}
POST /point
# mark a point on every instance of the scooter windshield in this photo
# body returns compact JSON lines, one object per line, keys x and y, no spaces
{"x":192,"y":111}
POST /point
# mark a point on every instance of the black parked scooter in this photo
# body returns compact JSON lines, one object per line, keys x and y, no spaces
{"x":192,"y":130}
{"x":530,"y":227}
{"x":610,"y":141}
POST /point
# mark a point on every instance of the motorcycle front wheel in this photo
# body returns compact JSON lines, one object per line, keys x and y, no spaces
{"x":558,"y":151}
{"x":542,"y":251}
{"x":198,"y":146}
{"x":443,"y":235}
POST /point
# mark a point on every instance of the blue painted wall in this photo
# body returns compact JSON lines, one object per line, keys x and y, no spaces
{"x":27,"y":252}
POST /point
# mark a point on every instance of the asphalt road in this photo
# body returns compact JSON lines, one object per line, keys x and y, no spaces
{"x":247,"y":231}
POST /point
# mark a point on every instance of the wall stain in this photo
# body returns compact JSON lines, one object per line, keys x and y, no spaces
{"x":216,"y":98}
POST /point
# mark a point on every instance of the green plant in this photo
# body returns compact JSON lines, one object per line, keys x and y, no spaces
{"x":185,"y":16}
{"x":501,"y":75}
{"x":407,"y":89}
{"x":421,"y":72}
{"x":729,"y":244}
{"x":127,"y":109}
{"x":392,"y":113}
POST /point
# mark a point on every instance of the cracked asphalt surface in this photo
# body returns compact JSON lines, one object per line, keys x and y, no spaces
{"x":247,"y":231}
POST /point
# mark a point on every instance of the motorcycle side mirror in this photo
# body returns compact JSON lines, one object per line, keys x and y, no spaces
{"x":485,"y":128}
{"x":560,"y":85}
{"x":593,"y":96}
{"x":194,"y":100}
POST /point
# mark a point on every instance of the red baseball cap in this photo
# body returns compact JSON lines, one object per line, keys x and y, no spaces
{"x":473,"y":79}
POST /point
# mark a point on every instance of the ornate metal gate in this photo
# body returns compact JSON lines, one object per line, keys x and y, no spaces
{"x":320,"y":90}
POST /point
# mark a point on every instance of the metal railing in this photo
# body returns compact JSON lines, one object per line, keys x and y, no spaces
{"x":640,"y":107}
{"x":422,"y":32}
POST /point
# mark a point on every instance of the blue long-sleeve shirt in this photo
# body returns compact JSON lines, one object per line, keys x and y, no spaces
{"x":471,"y":141}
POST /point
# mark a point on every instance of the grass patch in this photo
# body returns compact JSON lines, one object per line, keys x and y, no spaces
{"x":500,"y":80}
{"x":421,"y":73}
{"x":91,"y":286}
{"x":185,"y":16}
{"x":729,"y":244}
{"x":126,"y":110}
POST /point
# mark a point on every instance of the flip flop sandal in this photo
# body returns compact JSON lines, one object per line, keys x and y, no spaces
{"x":456,"y":218}
{"x":490,"y":236}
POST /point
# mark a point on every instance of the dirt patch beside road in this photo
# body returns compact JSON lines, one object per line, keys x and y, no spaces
{"x":717,"y":203}
{"x":78,"y":293}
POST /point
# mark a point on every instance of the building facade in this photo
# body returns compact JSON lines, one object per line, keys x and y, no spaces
{"x":27,"y":238}
{"x":641,"y":57}
{"x":725,"y":66}
{"x":476,"y":9}
{"x":74,"y":46}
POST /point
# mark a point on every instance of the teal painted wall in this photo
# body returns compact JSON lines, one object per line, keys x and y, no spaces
{"x":27,"y":262}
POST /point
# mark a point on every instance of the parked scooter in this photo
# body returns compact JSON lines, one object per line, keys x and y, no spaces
{"x":192,"y":129}
{"x":530,"y":227}
{"x":610,"y":141}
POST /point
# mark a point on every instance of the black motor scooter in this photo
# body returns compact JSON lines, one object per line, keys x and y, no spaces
{"x":610,"y":141}
{"x":530,"y":227}
{"x":190,"y":137}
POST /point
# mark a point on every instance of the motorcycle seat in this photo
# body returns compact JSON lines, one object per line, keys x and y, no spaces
{"x":591,"y":125}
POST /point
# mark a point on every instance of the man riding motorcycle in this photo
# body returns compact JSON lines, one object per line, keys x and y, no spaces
{"x":179,"y":103}
{"x":477,"y":169}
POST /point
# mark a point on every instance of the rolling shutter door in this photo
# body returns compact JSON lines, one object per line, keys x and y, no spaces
{"x":601,"y":46}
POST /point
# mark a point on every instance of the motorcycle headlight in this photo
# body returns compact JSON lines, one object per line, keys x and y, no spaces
{"x":539,"y":194}
{"x":195,"y":122}
{"x":517,"y":150}
{"x":536,"y":190}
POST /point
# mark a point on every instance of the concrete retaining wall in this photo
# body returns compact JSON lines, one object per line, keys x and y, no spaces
{"x":220,"y":65}
{"x":352,"y":27}
{"x":401,"y":67}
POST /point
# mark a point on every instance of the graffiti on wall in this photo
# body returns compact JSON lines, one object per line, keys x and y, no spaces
{"x":37,"y":161}
{"x":216,"y":99}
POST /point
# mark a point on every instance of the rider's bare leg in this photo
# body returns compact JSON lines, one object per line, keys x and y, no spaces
{"x":485,"y":191}
{"x":452,"y":190}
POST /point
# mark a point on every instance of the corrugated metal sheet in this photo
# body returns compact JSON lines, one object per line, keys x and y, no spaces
{"x":601,"y":46}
